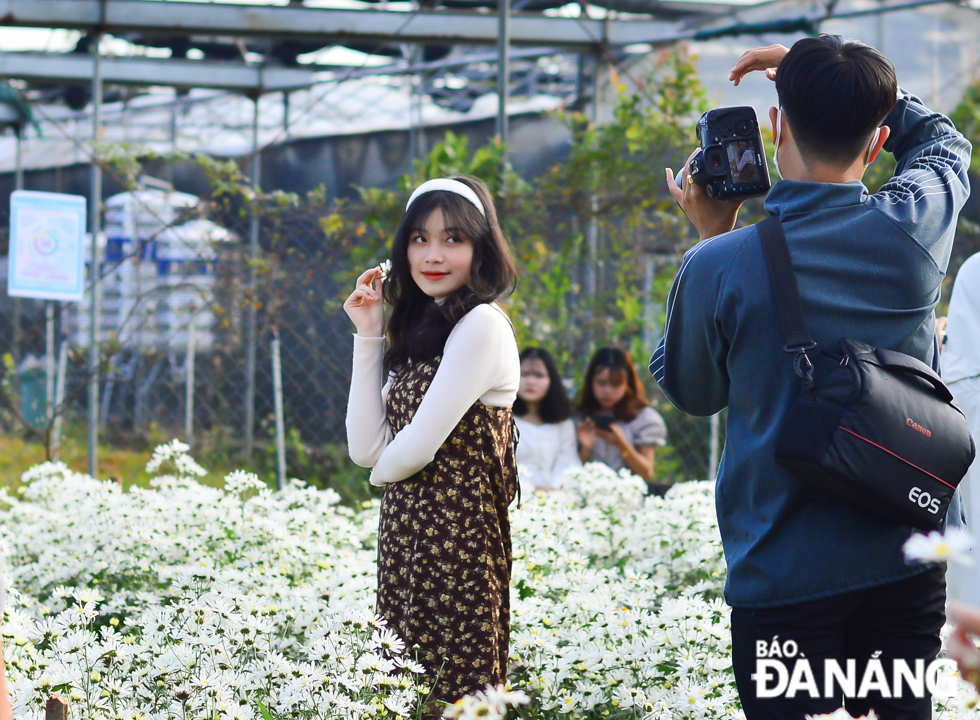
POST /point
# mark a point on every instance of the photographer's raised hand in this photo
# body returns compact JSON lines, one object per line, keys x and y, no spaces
{"x":710,"y":216}
{"x":766,"y":58}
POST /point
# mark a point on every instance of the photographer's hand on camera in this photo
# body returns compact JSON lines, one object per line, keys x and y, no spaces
{"x":710,"y":216}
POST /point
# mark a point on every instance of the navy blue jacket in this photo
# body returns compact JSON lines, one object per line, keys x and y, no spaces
{"x":869,"y":267}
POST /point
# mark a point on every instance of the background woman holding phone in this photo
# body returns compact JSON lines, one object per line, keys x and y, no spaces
{"x":618,"y":427}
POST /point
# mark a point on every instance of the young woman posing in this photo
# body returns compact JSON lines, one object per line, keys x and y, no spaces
{"x":440,"y":434}
{"x":612,"y":387}
{"x":543,"y":413}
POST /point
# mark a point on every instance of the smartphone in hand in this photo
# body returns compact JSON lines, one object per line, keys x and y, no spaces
{"x":603,"y":420}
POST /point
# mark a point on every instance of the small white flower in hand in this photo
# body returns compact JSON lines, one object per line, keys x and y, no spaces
{"x":385,"y":269}
{"x":936,"y":547}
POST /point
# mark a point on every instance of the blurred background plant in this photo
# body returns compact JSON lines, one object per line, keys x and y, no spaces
{"x":597,"y":239}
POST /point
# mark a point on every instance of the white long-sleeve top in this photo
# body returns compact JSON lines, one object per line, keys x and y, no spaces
{"x":480,"y":362}
{"x":961,"y":358}
{"x":547,"y":450}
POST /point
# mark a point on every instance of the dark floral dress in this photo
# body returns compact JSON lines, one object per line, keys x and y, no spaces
{"x":444,"y":552}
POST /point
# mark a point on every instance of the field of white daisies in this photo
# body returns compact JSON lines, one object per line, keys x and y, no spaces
{"x":186,"y":601}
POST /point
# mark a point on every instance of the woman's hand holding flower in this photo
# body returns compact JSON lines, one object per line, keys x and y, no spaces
{"x":365,"y":306}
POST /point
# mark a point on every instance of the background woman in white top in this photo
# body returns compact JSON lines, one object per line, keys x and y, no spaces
{"x":543,"y":413}
{"x":618,"y":428}
{"x":440,"y":434}
{"x":961,"y":371}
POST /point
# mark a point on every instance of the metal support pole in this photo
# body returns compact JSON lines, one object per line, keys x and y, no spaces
{"x":592,"y":282}
{"x":253,"y":239}
{"x":280,"y":420}
{"x":94,"y":218}
{"x":59,"y":397}
{"x":714,"y":449}
{"x":49,"y":361}
{"x":503,"y":67}
{"x":189,"y":394}
{"x":423,"y":148}
{"x":649,"y":304}
{"x":596,"y":85}
{"x":285,"y":113}
{"x":413,"y":124}
{"x":881,"y":29}
{"x":173,"y":147}
{"x":19,"y":158}
{"x":593,"y":237}
{"x":18,"y":185}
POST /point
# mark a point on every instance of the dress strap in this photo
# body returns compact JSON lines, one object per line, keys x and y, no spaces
{"x":515,"y":438}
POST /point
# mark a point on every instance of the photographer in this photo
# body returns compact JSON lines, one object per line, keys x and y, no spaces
{"x":802,"y":565}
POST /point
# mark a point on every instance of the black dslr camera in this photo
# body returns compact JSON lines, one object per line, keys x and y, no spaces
{"x":731,"y":163}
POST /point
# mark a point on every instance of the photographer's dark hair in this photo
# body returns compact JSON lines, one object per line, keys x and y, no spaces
{"x":834,"y":93}
{"x":418,"y":327}
{"x":555,"y":405}
{"x":621,"y":368}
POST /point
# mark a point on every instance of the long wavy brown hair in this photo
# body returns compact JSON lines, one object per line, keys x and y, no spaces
{"x":418,"y":327}
{"x":621,"y":368}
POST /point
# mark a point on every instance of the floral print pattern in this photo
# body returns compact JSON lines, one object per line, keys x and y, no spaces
{"x":444,"y":547}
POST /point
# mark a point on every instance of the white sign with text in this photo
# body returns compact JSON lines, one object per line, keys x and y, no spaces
{"x":47,"y":241}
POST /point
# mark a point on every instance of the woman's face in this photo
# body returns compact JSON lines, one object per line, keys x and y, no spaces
{"x":439,"y":259}
{"x":608,"y":388}
{"x":534,"y":381}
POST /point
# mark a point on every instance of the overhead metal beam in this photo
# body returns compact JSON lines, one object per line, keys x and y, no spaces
{"x":239,"y":77}
{"x":326,"y":25}
{"x":73,"y":68}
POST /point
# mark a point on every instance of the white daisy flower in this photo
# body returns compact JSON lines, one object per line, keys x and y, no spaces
{"x":936,"y":547}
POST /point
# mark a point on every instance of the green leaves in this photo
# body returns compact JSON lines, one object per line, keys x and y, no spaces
{"x":266,"y":715}
{"x":966,"y":117}
{"x":581,"y":230}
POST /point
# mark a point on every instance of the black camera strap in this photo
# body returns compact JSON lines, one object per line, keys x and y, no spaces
{"x":791,"y":319}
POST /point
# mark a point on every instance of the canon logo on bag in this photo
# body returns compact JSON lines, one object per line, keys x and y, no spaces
{"x":915,"y":426}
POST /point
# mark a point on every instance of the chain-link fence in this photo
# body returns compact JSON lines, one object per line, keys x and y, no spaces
{"x":185,"y":299}
{"x":178,"y":284}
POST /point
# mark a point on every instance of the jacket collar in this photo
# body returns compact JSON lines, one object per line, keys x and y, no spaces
{"x":789,"y":197}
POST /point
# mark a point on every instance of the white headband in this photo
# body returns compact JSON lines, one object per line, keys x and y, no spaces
{"x":448,"y":185}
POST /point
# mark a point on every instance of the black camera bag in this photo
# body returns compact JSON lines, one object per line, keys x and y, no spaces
{"x":876,"y":428}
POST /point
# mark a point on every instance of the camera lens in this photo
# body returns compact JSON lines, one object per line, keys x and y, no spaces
{"x":744,"y":127}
